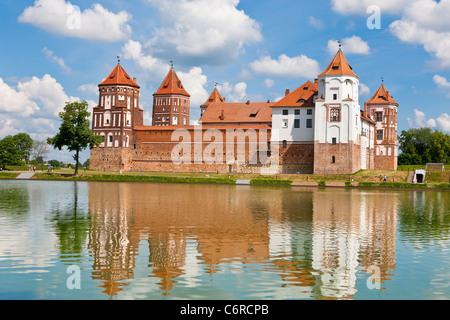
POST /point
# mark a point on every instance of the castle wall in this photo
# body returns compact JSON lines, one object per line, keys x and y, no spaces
{"x":347,"y":158}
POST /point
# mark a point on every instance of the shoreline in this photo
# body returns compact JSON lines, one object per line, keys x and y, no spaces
{"x":259,"y":182}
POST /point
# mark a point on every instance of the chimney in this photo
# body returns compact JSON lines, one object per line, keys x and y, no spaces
{"x":316,"y":81}
{"x":287,"y":92}
{"x":134,"y":79}
{"x":248,"y":102}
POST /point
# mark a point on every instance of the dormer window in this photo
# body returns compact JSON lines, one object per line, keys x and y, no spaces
{"x":301,"y":101}
{"x":335,"y":67}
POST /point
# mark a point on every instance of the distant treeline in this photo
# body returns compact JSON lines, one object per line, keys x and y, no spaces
{"x":422,"y":146}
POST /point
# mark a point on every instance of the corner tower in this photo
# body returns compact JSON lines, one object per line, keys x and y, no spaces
{"x":382,"y":108}
{"x":114,"y":118}
{"x":337,"y":129}
{"x":171,"y":103}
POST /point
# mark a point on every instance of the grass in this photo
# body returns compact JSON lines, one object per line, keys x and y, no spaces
{"x":264,"y":180}
{"x":363,"y":178}
{"x":8,"y":175}
{"x":136,"y":178}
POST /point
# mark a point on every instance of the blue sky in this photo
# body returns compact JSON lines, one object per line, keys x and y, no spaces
{"x":53,"y":51}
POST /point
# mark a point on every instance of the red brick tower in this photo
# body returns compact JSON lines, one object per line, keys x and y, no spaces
{"x":382,"y":108}
{"x":171,"y":103}
{"x":114,"y":118}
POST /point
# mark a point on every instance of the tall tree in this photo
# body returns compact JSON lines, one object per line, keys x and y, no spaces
{"x":74,"y":132}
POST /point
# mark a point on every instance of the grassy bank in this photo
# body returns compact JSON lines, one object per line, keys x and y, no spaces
{"x":8,"y":175}
{"x":361,"y":179}
{"x":131,"y":178}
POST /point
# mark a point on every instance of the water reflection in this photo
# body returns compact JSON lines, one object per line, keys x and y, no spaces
{"x":158,"y":241}
{"x":309,"y":239}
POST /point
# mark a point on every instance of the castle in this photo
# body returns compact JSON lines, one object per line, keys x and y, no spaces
{"x":318,"y":128}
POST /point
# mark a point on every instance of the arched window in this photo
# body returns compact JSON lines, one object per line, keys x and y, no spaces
{"x":284,"y":144}
{"x":333,"y":159}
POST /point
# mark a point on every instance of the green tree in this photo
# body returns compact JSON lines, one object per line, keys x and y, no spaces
{"x":55,"y":163}
{"x":421,"y":146}
{"x":15,"y":150}
{"x":440,"y":147}
{"x":9,"y":153}
{"x":24,"y":145}
{"x":74,"y":132}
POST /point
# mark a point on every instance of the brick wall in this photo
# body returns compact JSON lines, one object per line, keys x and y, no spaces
{"x":347,"y":158}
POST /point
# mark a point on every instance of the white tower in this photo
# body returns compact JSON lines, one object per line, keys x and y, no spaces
{"x":337,"y":126}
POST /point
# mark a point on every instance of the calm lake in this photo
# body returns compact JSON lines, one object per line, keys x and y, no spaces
{"x":79,"y":240}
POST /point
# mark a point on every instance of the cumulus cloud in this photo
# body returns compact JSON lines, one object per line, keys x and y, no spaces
{"x":32,"y":106}
{"x":15,"y":101}
{"x":211,"y":31}
{"x":442,"y":122}
{"x":47,"y":92}
{"x":295,"y":67}
{"x":63,"y":18}
{"x":133,"y":50}
{"x":194,"y":80}
{"x":352,"y":45}
{"x":421,"y":22}
{"x":233,"y":93}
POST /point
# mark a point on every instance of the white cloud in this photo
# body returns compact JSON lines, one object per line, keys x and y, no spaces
{"x":47,"y":92}
{"x":15,"y":101}
{"x":233,"y":93}
{"x":194,"y":82}
{"x":363,"y":90}
{"x":89,"y":88}
{"x":133,"y":50}
{"x":442,"y":122}
{"x":50,"y":55}
{"x":214,"y":31}
{"x":346,"y":7}
{"x":352,"y":45}
{"x":296,"y":67}
{"x":63,"y":18}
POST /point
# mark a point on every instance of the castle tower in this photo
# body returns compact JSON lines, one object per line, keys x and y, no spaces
{"x":171,"y":103}
{"x":214,"y":97}
{"x":382,"y":109}
{"x":115,"y":117}
{"x":337,"y":129}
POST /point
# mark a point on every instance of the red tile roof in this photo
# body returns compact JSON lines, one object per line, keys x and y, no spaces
{"x":171,"y":85}
{"x":303,"y":96}
{"x":214,"y":97}
{"x":365,"y":117}
{"x":339,"y":66}
{"x":382,"y":96}
{"x":119,"y":77}
{"x":234,"y":113}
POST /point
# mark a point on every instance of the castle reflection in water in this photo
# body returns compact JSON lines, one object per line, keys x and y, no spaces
{"x":314,"y":239}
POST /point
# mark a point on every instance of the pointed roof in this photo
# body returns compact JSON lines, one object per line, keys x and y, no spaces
{"x":303,"y":96}
{"x":214,"y":97}
{"x":119,"y":77}
{"x":172,"y":85}
{"x":382,"y":96}
{"x":339,"y":66}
